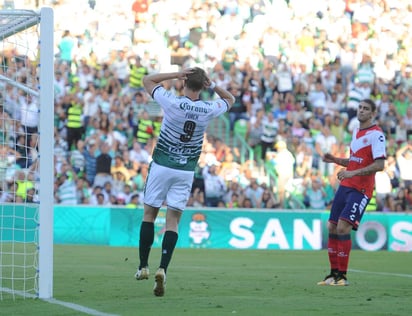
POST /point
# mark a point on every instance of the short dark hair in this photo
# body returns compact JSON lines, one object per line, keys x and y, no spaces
{"x":196,"y":80}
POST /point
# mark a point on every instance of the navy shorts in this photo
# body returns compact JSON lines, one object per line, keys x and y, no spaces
{"x":348,"y":205}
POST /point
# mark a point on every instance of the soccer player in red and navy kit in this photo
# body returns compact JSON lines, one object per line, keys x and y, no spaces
{"x":357,"y":181}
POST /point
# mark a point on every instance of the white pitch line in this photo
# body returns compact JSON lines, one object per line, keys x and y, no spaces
{"x":383,"y":273}
{"x":76,"y":307}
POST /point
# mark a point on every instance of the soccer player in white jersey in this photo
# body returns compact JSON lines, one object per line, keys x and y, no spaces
{"x":357,"y":182}
{"x":175,"y":157}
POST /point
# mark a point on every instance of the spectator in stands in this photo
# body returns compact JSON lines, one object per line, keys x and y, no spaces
{"x":139,"y":104}
{"x":246,"y":203}
{"x":229,"y":168}
{"x":234,"y":202}
{"x":233,"y":187}
{"x":109,"y":192}
{"x":215,"y":186}
{"x":139,"y":10}
{"x":23,"y":182}
{"x":97,"y":197}
{"x":401,"y":202}
{"x":29,"y":115}
{"x":325,"y":142}
{"x":77,"y":159}
{"x":270,"y":128}
{"x":304,"y":157}
{"x":134,"y":201}
{"x":280,"y":112}
{"x":404,"y":162}
{"x":255,"y":131}
{"x":407,"y":121}
{"x":145,"y":129}
{"x":139,"y":180}
{"x":284,"y":82}
{"x":6,"y":153}
{"x":388,"y":203}
{"x":389,"y":121}
{"x":120,"y":67}
{"x":119,"y":167}
{"x":103,"y":166}
{"x":100,"y":200}
{"x":338,"y":127}
{"x":89,"y":153}
{"x":229,"y":57}
{"x":283,"y":162}
{"x":137,"y":72}
{"x":315,"y":195}
{"x":222,"y":79}
{"x":317,"y":97}
{"x":268,"y":200}
{"x":130,"y":165}
{"x":74,"y":123}
{"x":8,"y":192}
{"x":239,"y":110}
{"x":254,"y":193}
{"x":197,"y":198}
{"x":408,"y":197}
{"x":383,"y":185}
{"x":60,"y":83}
{"x":66,"y":47}
{"x":82,"y":191}
{"x":138,"y":154}
{"x":66,"y":192}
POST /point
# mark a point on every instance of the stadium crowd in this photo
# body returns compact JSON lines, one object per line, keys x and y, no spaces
{"x":298,"y":72}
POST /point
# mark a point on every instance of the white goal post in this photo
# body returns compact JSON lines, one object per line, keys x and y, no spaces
{"x":26,"y":243}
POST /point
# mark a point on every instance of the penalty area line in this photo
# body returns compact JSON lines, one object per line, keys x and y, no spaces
{"x":402,"y":275}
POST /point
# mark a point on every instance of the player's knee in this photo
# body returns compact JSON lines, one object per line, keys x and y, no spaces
{"x":332,"y":228}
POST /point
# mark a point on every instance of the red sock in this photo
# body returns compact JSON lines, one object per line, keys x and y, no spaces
{"x":333,"y":251}
{"x":344,"y":248}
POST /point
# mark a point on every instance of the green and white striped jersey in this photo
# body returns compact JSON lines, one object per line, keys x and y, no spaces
{"x":183,"y":127}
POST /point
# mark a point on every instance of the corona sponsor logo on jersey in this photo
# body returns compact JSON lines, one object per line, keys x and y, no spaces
{"x":189,"y":107}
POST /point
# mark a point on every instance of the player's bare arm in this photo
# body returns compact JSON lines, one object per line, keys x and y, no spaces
{"x":377,"y":165}
{"x":339,"y":161}
{"x":152,"y":80}
{"x":222,"y":93}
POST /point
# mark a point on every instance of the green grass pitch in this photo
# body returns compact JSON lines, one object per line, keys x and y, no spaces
{"x":222,"y":282}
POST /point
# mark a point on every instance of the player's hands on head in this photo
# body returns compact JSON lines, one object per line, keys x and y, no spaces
{"x":182,"y":75}
{"x":208,"y":83}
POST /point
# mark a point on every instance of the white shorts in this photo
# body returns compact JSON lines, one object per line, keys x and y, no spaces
{"x":170,"y":185}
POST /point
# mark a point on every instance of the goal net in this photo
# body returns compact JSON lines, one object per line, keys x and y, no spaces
{"x":26,"y":153}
